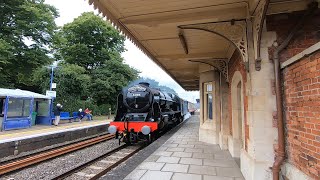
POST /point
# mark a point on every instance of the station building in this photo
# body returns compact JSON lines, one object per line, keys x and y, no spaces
{"x":256,"y":64}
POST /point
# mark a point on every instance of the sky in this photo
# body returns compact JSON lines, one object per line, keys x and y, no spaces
{"x":70,"y":9}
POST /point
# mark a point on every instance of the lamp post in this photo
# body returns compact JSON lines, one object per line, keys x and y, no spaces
{"x":51,"y":78}
{"x":52,"y":66}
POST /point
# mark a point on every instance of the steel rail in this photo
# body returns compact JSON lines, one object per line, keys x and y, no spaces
{"x":51,"y":154}
{"x":103,"y":172}
{"x":88,"y":163}
{"x":3,"y":162}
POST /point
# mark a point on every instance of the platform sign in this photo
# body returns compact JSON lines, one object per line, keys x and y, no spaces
{"x":54,"y":85}
{"x":51,"y":93}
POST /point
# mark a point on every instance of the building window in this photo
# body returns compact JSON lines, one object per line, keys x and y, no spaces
{"x":209,"y":97}
{"x":208,"y":100}
{"x":18,"y":108}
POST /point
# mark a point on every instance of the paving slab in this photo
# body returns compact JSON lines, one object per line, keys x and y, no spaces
{"x":184,"y":157}
{"x":219,"y":163}
{"x":152,"y":158}
{"x":193,"y":161}
{"x":182,"y":154}
{"x":136,"y":174}
{"x":183,"y":176}
{"x":156,"y":175}
{"x":166,"y":159}
{"x":229,"y":172}
{"x":206,"y":177}
{"x":151,"y":165}
{"x":206,"y":170}
{"x":193,"y":150}
{"x":175,"y":149}
{"x":185,"y":145}
{"x":175,"y":168}
{"x":203,"y":155}
{"x":163,"y":153}
{"x":170,"y":145}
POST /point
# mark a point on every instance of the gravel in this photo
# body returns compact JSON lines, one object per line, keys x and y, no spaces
{"x":51,"y":168}
{"x":23,"y":154}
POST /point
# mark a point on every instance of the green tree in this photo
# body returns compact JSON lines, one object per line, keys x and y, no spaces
{"x":71,"y":80}
{"x":27,"y":30}
{"x":89,"y":41}
{"x":109,"y":79}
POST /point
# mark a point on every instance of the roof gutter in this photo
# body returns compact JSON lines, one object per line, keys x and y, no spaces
{"x":280,"y":156}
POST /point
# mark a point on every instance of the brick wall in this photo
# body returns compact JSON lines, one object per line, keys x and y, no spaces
{"x":302,"y":112}
{"x":301,"y":84}
{"x":235,"y":64}
{"x":306,"y":37}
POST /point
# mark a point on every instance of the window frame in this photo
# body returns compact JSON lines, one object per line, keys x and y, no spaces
{"x":208,"y":91}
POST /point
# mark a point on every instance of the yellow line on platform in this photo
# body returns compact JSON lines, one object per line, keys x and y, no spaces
{"x":47,"y":129}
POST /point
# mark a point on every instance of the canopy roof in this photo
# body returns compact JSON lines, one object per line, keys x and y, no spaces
{"x":176,"y":34}
{"x":21,"y":93}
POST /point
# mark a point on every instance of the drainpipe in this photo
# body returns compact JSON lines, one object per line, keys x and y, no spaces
{"x":280,"y":156}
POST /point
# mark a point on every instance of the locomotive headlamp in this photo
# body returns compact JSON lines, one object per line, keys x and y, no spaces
{"x":145,"y":130}
{"x":112,"y":129}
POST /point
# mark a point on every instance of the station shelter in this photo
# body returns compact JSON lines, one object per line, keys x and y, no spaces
{"x":256,"y":64}
{"x":22,"y":109}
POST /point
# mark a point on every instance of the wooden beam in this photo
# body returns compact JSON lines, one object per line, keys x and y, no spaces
{"x":287,"y":6}
{"x":183,"y":42}
{"x":218,"y":13}
{"x":192,"y":56}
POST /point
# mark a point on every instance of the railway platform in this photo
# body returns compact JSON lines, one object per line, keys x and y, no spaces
{"x":15,"y":142}
{"x":179,"y":155}
{"x":184,"y":157}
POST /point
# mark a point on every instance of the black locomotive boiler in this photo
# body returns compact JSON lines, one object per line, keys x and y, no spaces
{"x":142,"y":112}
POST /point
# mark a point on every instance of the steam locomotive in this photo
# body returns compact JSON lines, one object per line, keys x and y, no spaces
{"x":143,"y":112}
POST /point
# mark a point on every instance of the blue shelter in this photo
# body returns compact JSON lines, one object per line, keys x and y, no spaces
{"x":22,"y":109}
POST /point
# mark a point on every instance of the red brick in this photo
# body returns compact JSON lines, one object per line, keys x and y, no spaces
{"x":316,"y":132}
{"x":301,"y":91}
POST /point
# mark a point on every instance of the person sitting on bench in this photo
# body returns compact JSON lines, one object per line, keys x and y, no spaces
{"x":81,"y":114}
{"x":88,"y":114}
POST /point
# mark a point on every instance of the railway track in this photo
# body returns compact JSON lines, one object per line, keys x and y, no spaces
{"x":19,"y":157}
{"x":34,"y":159}
{"x":99,"y":166}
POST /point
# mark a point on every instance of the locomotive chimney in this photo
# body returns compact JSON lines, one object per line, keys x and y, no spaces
{"x":145,"y":84}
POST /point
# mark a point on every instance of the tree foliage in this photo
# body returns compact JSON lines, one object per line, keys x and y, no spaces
{"x":91,"y":71}
{"x":89,"y":41}
{"x":71,"y":80}
{"x":26,"y":33}
{"x":109,"y":79}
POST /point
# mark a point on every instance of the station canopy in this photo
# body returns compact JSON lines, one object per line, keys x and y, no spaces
{"x":21,"y":93}
{"x":176,"y":34}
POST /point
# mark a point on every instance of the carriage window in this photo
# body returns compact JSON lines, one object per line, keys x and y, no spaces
{"x":208,"y":100}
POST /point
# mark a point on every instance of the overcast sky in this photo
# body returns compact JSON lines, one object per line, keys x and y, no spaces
{"x":70,"y":9}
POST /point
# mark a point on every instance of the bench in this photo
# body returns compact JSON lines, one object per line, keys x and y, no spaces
{"x":63,"y":116}
{"x":75,"y":116}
